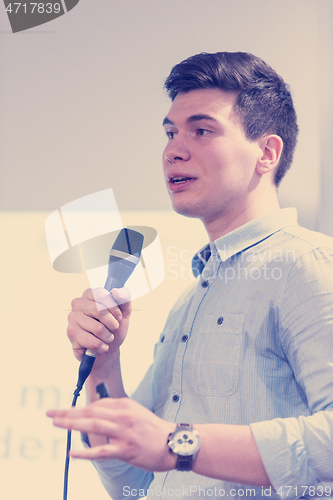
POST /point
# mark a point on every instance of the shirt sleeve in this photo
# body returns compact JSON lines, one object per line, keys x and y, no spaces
{"x":297,"y":452}
{"x":120,"y":479}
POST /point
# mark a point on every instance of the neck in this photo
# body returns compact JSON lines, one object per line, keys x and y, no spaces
{"x":242,"y":213}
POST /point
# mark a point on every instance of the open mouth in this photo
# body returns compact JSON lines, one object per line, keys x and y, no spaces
{"x":180,"y":180}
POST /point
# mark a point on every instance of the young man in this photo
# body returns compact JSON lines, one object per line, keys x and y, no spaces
{"x":246,"y":355}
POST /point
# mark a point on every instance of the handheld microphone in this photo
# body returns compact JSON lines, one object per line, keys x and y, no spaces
{"x":124,"y":256}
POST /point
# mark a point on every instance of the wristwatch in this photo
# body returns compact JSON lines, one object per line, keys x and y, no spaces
{"x":185,"y":443}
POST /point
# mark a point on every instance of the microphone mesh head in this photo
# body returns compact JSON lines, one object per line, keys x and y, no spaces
{"x":129,"y":241}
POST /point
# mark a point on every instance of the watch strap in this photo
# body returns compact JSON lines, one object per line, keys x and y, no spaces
{"x":184,"y":463}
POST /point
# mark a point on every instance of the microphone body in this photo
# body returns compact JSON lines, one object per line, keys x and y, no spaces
{"x":124,"y":256}
{"x":120,"y":267}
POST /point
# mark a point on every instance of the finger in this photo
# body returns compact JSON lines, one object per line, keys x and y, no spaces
{"x":104,"y":451}
{"x":98,"y":303}
{"x":92,"y":419}
{"x":84,"y":334}
{"x":88,"y":317}
{"x":117,"y":301}
{"x":123,"y":298}
{"x":104,"y":300}
{"x":95,"y":410}
{"x":96,"y":328}
{"x":87,"y":341}
{"x":89,"y":425}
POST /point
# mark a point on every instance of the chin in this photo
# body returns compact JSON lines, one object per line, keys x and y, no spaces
{"x":187,"y":211}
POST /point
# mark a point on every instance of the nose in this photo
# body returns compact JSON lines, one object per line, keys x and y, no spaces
{"x":176,"y":150}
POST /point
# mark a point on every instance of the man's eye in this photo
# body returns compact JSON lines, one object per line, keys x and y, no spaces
{"x":170,"y":134}
{"x":202,"y":131}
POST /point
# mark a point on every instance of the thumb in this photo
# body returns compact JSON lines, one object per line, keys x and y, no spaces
{"x":123,"y":298}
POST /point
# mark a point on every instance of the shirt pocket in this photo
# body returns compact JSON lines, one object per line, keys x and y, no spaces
{"x":217,"y":355}
{"x":162,"y":361}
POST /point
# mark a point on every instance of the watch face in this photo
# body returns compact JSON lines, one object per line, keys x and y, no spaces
{"x":185,"y":442}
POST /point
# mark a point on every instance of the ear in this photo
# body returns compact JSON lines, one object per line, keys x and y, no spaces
{"x":271,"y":147}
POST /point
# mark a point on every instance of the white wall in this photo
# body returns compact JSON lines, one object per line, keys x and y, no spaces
{"x":325,"y":86}
{"x":81,"y":111}
{"x":82,"y":100}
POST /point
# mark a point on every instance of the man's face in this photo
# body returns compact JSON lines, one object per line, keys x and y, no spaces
{"x":209,"y":164}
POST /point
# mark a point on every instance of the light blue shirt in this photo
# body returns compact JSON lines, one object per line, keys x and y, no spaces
{"x":250,"y":343}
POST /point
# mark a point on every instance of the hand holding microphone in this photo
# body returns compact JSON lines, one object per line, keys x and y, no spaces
{"x":100,"y":329}
{"x":90,"y":328}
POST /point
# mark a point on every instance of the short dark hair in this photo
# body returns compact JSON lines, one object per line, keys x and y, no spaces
{"x":264,"y":101}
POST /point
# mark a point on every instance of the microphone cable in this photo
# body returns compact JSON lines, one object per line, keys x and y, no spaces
{"x":84,"y":371}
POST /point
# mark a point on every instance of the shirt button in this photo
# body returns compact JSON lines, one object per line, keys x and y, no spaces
{"x":175,"y":398}
{"x":184,"y":338}
{"x":220,"y":321}
{"x":162,"y":338}
{"x":204,"y":284}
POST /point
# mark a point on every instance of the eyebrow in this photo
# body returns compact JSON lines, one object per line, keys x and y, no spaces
{"x":191,"y":119}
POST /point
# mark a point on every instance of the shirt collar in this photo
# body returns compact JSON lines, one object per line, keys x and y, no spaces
{"x":245,"y":236}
